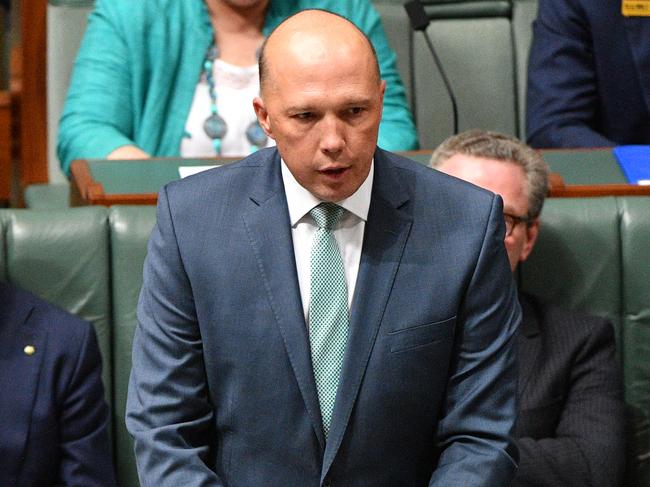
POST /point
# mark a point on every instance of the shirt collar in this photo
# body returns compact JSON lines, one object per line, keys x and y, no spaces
{"x":300,"y":201}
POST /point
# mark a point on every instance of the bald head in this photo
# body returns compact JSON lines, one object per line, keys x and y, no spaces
{"x":313,"y":37}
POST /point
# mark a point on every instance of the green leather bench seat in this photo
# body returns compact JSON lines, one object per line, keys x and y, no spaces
{"x":593,"y":254}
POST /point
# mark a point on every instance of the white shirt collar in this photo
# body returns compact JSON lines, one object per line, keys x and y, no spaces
{"x":300,"y":201}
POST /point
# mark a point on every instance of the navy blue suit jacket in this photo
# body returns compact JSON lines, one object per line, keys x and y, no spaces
{"x":53,"y":417}
{"x":222,"y":389}
{"x":588,"y":76}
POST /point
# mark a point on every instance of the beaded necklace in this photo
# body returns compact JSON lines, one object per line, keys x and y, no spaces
{"x":215,"y":126}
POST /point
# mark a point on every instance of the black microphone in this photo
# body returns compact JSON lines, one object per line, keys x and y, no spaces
{"x":420,"y":21}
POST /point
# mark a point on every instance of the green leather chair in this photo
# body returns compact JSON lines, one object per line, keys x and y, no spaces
{"x":130,"y":227}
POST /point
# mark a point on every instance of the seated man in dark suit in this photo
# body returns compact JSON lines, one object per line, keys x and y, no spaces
{"x":570,"y":426}
{"x":53,"y":417}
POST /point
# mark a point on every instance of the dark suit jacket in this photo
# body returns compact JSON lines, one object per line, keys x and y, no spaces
{"x":53,"y":417}
{"x":571,"y":421}
{"x":588,"y":76}
{"x":222,"y":389}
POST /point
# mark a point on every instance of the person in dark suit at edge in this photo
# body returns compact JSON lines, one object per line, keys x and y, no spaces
{"x":589,"y":74}
{"x":53,"y":416}
{"x":570,"y":427}
{"x":295,"y":327}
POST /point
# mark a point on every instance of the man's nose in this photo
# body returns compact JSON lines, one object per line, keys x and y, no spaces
{"x":332,"y":135}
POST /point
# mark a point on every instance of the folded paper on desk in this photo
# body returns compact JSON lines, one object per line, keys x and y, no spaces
{"x":635,"y":162}
{"x":185,"y":171}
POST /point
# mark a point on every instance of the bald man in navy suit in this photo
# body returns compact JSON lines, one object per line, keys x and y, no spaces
{"x":226,"y":383}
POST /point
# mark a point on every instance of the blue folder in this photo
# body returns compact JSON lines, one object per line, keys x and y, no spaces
{"x":635,"y":162}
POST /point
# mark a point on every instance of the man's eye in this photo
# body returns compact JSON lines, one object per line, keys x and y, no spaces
{"x":304,"y":116}
{"x":356,"y":110}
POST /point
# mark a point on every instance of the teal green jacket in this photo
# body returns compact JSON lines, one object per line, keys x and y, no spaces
{"x":136,"y":71}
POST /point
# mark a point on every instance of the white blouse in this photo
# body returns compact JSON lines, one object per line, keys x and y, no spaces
{"x":235,"y":87}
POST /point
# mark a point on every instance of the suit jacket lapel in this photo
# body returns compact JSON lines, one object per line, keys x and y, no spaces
{"x":19,"y":377}
{"x":386,"y":233}
{"x":528,"y":344}
{"x":269,"y":232}
{"x":638,"y":35}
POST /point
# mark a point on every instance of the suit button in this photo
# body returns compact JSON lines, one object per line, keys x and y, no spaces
{"x":327,"y":483}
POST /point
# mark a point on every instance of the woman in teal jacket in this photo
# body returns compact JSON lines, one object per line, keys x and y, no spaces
{"x":137,"y":70}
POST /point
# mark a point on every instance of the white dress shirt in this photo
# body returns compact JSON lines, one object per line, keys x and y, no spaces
{"x":348,"y":232}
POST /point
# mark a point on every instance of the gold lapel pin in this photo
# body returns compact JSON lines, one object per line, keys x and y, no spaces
{"x":29,"y":350}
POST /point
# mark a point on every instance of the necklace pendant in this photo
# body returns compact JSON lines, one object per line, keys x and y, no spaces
{"x":255,"y":135}
{"x":215,"y":127}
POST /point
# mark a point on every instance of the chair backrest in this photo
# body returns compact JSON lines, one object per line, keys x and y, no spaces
{"x":576,"y":261}
{"x":130,"y":227}
{"x":635,"y":258}
{"x":474,"y":42}
{"x":523,"y":15}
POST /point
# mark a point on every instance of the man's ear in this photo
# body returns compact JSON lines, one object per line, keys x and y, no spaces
{"x":532,"y":231}
{"x":262,"y":116}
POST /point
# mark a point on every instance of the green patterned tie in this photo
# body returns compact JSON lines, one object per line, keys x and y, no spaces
{"x":328,"y":309}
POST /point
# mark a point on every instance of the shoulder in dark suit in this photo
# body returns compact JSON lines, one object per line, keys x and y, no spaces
{"x":53,"y":417}
{"x":588,"y":76}
{"x":571,"y":419}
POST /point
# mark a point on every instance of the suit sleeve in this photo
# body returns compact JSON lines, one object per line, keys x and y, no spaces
{"x":98,"y":113}
{"x":562,"y":96}
{"x":86,"y":459}
{"x":168,"y":412}
{"x":588,"y":447}
{"x":476,"y":432}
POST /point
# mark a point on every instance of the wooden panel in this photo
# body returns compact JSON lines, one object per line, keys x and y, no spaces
{"x":6,"y":161}
{"x":33,"y":102}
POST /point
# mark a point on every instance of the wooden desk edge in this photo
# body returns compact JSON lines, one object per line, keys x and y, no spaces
{"x":86,"y":191}
{"x":83,"y":188}
{"x":595,"y":190}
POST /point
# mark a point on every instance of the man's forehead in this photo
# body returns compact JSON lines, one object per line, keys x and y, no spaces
{"x":315,"y":37}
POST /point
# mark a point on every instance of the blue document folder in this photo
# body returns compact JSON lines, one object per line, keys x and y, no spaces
{"x":635,"y":162}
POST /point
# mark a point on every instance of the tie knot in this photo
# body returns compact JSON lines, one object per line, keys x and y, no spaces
{"x":326,"y":215}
